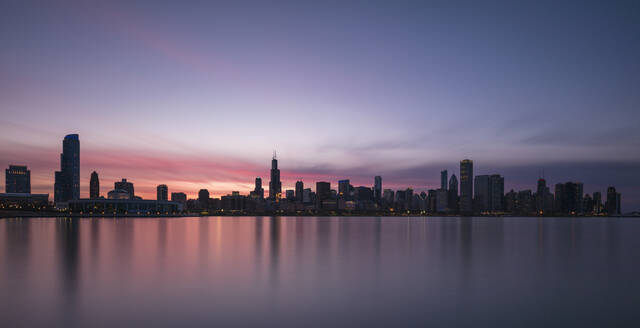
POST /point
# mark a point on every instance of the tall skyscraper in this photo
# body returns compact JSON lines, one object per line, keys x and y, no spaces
{"x":377,"y":189}
{"x":67,"y":180}
{"x":466,"y":186}
{"x":162,"y":192}
{"x":275,"y":186}
{"x":17,"y":179}
{"x":94,"y":186}
{"x":443,"y":179}
{"x":126,"y":186}
{"x":299,"y":191}
{"x":453,"y":194}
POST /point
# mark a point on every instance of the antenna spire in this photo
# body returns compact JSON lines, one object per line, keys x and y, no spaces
{"x":274,"y":155}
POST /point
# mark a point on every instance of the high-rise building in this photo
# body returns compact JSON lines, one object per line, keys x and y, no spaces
{"x":496,"y":185}
{"x":597,"y":202}
{"x":377,"y":189}
{"x":453,"y":194}
{"x":203,"y":198}
{"x":299,"y":191}
{"x":290,"y":194}
{"x":126,"y":186}
{"x":443,"y":179}
{"x":481,"y":193}
{"x":258,"y":191}
{"x":323,"y":190}
{"x":466,"y":186}
{"x":67,"y":180}
{"x":568,"y":198}
{"x":162,"y":192}
{"x":442,"y":199}
{"x":275,"y":186}
{"x":388,"y":197}
{"x":94,"y":186}
{"x":307,"y":196}
{"x":17,"y":179}
{"x":344,"y":191}
{"x":613,"y":202}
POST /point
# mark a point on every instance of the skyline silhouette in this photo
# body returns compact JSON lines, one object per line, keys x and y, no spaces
{"x":200,"y":94}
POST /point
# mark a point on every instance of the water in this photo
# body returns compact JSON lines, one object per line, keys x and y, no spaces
{"x":319,"y":272}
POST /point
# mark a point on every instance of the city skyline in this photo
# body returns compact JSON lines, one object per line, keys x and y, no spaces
{"x":193,"y":99}
{"x":478,"y":193}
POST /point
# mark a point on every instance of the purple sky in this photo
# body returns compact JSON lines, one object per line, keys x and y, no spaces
{"x":198,"y":95}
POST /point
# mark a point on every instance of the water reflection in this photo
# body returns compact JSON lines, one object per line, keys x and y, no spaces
{"x":319,"y":271}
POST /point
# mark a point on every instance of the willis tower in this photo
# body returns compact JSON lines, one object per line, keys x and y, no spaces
{"x":275,"y":186}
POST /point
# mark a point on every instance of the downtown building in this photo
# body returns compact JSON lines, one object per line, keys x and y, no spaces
{"x":67,"y":180}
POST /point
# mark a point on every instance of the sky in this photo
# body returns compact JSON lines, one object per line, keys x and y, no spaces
{"x":199,"y":94}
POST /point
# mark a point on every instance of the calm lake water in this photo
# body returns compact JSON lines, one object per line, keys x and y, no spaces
{"x":320,"y":272}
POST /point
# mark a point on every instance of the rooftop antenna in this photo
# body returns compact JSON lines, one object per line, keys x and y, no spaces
{"x":274,"y":154}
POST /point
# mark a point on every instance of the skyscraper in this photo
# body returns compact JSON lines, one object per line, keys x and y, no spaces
{"x":597,"y":202}
{"x":299,"y":191}
{"x":453,"y":193}
{"x":443,"y":179}
{"x":343,"y":189}
{"x":203,"y":198}
{"x":377,"y":189}
{"x":162,"y":192}
{"x":17,"y":179}
{"x":258,"y":191}
{"x":275,"y":186}
{"x":481,"y":193}
{"x":323,"y":190}
{"x":94,"y":186}
{"x":613,"y":202}
{"x":126,"y":186}
{"x":466,"y":186}
{"x":67,"y":180}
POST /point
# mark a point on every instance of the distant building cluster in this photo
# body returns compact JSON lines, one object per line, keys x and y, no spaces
{"x":470,"y":195}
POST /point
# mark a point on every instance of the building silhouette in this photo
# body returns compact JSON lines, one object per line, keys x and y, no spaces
{"x":67,"y":180}
{"x":344,"y":189}
{"x":162,"y":192}
{"x":443,"y":179}
{"x":377,"y":189}
{"x":275,"y":186}
{"x":613,"y":202}
{"x":466,"y":186}
{"x":17,"y":179}
{"x":126,"y":186}
{"x":203,"y":198}
{"x":597,"y":203}
{"x":453,"y":194}
{"x":299,"y":191}
{"x":258,"y":191}
{"x":179,"y":197}
{"x":496,"y":185}
{"x":94,"y":186}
